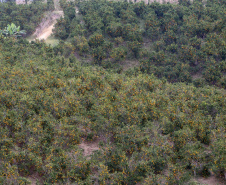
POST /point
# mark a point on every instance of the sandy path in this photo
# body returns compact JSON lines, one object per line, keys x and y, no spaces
{"x":46,"y":32}
{"x":45,"y":29}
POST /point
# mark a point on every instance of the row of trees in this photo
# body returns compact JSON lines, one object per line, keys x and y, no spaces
{"x":176,"y":42}
{"x":149,"y":131}
{"x":27,"y":16}
{"x":146,"y":127}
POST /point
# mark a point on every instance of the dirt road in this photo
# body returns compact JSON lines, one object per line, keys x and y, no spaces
{"x":44,"y":30}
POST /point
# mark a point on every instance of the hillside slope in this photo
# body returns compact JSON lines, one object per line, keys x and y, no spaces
{"x":148,"y":130}
{"x":69,"y":113}
{"x":181,"y":43}
{"x":44,"y":30}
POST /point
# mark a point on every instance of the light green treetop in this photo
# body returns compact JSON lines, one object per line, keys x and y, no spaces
{"x":12,"y":31}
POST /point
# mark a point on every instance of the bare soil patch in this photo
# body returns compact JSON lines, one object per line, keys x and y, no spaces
{"x":129,"y":64}
{"x":197,"y":76}
{"x":210,"y":181}
{"x":44,"y":30}
{"x":89,"y":147}
{"x":152,"y":1}
{"x":34,"y":178}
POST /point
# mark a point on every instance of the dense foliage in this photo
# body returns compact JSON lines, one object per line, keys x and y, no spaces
{"x":149,"y":130}
{"x":12,"y":31}
{"x":182,"y":43}
{"x":27,"y":16}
